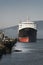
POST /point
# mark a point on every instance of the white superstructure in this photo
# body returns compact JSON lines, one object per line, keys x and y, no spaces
{"x":27,"y":24}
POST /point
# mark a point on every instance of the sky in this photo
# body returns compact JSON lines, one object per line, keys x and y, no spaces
{"x":14,"y":11}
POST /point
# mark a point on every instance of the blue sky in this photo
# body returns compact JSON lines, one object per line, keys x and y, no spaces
{"x":12,"y":11}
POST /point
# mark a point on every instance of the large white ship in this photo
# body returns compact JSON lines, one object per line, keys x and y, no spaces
{"x":27,"y":31}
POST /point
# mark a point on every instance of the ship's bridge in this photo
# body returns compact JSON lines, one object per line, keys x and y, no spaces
{"x":27,"y":25}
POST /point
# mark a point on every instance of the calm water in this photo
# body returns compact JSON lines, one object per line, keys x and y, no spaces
{"x":24,"y":54}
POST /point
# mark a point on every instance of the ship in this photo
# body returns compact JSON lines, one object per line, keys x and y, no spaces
{"x":27,"y":31}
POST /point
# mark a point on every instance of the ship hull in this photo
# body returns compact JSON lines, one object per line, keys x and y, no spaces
{"x":27,"y":35}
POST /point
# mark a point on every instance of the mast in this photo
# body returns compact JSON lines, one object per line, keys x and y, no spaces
{"x":27,"y":18}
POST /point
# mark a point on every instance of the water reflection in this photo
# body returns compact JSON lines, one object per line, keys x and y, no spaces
{"x":8,"y":51}
{"x":23,"y":54}
{"x":4,"y":52}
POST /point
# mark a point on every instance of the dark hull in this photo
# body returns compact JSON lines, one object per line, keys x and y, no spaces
{"x":28,"y":32}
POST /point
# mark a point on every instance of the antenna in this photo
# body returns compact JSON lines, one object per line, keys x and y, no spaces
{"x":27,"y":18}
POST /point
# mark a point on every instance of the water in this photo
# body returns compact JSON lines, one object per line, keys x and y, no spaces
{"x":24,"y":54}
